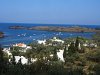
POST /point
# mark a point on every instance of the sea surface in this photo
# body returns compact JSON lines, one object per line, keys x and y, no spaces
{"x":28,"y":36}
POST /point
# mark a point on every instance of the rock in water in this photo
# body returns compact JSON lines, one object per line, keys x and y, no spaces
{"x":1,"y":34}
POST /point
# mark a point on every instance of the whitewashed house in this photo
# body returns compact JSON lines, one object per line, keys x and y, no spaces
{"x":41,"y":42}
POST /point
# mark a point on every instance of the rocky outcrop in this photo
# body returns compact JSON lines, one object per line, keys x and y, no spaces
{"x":16,"y":27}
{"x":1,"y":34}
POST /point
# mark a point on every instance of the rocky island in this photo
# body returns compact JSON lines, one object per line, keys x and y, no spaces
{"x":1,"y":34}
{"x":17,"y":27}
{"x":57,"y":28}
{"x":64,"y":29}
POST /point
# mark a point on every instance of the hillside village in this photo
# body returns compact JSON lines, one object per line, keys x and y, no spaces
{"x":76,"y":51}
{"x":54,"y":42}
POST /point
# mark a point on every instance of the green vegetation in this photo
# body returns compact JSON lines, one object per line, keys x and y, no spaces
{"x":96,"y":38}
{"x":78,"y":61}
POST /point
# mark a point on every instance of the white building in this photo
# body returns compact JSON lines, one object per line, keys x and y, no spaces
{"x":23,"y":46}
{"x":60,"y":55}
{"x":17,"y":58}
{"x":7,"y":50}
{"x":55,"y":39}
{"x":23,"y":59}
{"x":41,"y":42}
{"x":20,"y":45}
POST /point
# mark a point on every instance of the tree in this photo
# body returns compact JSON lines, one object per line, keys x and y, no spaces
{"x":96,"y":38}
{"x":13,"y":60}
{"x":71,"y":49}
{"x":55,"y":57}
{"x":28,"y":54}
{"x":20,"y":61}
{"x":77,"y":43}
{"x":1,"y":61}
{"x":65,"y":53}
{"x":15,"y":51}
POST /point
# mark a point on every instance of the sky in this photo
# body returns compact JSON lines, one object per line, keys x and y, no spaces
{"x":50,"y":11}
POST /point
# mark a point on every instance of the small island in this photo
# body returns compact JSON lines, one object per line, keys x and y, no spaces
{"x":1,"y":34}
{"x":16,"y":27}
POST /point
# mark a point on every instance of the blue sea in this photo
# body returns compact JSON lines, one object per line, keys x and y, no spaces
{"x":28,"y":36}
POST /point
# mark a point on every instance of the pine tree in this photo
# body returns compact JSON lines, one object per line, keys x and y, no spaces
{"x":77,"y":43}
{"x":13,"y":60}
{"x":20,"y":61}
{"x":55,"y":57}
{"x":71,"y":49}
{"x":65,"y":53}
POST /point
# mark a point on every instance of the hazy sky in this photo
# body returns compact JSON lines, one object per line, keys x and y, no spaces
{"x":50,"y":11}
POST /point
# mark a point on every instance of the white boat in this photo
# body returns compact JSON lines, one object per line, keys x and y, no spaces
{"x":18,"y":35}
{"x":71,"y":34}
{"x":61,"y":34}
{"x":34,"y":34}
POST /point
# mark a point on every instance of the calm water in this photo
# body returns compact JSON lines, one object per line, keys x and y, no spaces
{"x":28,"y":36}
